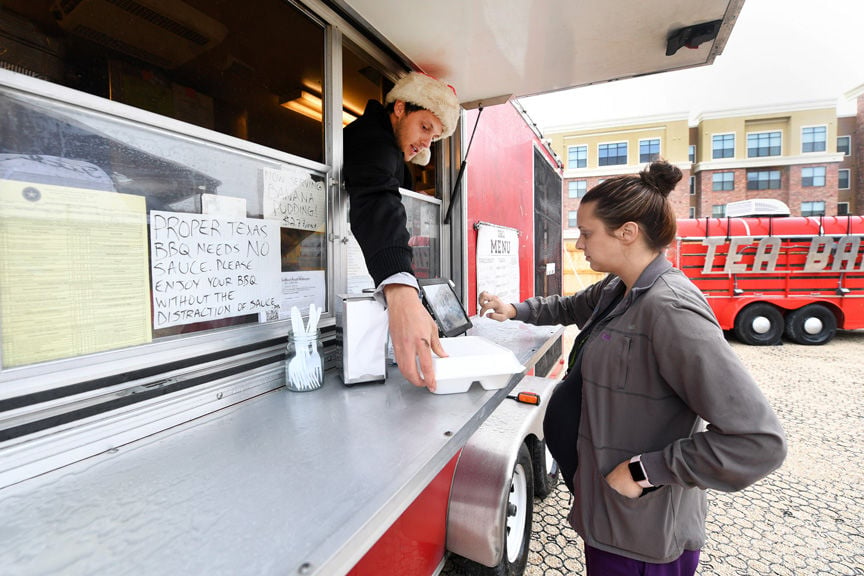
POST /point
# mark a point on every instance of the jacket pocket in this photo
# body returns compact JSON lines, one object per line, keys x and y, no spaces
{"x":644,"y":526}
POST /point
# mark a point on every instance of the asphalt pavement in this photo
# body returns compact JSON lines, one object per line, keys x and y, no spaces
{"x":807,"y":518}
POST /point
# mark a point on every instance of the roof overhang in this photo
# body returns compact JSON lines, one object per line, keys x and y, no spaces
{"x":492,"y":50}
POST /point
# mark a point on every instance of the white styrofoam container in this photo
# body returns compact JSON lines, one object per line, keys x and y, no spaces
{"x":473,"y":359}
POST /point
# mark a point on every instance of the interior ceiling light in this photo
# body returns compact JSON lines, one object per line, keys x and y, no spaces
{"x":310,"y":105}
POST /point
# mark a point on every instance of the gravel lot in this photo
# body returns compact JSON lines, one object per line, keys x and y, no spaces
{"x":806,"y":518}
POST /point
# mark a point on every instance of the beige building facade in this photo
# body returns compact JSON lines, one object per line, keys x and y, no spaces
{"x":804,"y":155}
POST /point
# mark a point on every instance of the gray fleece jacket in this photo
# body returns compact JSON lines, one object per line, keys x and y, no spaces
{"x":659,"y":380}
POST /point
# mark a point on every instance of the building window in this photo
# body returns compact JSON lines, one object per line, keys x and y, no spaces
{"x":763,"y":144}
{"x":722,"y":181}
{"x":842,"y":209}
{"x":692,"y":212}
{"x":649,"y":150}
{"x":577,"y":188}
{"x":692,"y":185}
{"x":843,"y":179}
{"x":577,"y":156}
{"x":613,"y":154}
{"x":763,"y":180}
{"x":571,"y":218}
{"x":844,"y":144}
{"x":691,"y":154}
{"x":813,"y":139}
{"x":718,"y":210}
{"x":814,"y":208}
{"x":723,"y":146}
{"x":813,"y":176}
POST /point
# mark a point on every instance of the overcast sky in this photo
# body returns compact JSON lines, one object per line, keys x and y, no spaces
{"x":780,"y":51}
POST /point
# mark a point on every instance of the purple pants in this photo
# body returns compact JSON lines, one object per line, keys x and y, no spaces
{"x":600,"y":563}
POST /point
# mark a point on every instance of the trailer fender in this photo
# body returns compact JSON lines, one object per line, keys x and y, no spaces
{"x":479,"y":494}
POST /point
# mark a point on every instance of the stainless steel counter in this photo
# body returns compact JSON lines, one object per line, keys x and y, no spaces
{"x":285,"y":483}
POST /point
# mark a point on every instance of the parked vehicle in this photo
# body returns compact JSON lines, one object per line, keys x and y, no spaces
{"x":766,"y":277}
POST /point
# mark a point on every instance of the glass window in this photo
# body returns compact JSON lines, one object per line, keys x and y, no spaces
{"x":764,"y":144}
{"x":692,"y":212}
{"x":691,"y":153}
{"x":613,"y":154}
{"x":571,"y":218}
{"x":577,"y":188}
{"x":649,"y":150}
{"x":843,"y":179}
{"x":813,"y":208}
{"x":813,"y":176}
{"x":692,"y":185}
{"x":723,"y":146}
{"x":179,"y":236}
{"x":763,"y":179}
{"x":813,"y":139}
{"x":718,"y":210}
{"x":722,"y":181}
{"x":842,"y":209}
{"x":133,"y":222}
{"x":577,"y":156}
{"x":844,"y":144}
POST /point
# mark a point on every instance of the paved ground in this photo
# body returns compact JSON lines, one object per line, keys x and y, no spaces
{"x":805,"y":519}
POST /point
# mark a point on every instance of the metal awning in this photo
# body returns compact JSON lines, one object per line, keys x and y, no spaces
{"x":495,"y":49}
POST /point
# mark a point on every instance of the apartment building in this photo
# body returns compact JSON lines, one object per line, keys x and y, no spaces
{"x":804,"y":155}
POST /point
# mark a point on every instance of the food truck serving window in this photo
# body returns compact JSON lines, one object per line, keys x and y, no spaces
{"x":162,"y":187}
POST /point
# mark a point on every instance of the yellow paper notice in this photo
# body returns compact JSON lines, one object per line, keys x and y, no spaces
{"x":73,"y":272}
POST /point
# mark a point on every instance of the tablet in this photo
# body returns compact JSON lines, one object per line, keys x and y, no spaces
{"x":444,"y":306}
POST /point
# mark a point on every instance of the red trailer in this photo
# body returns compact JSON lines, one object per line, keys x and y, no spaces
{"x":769,"y":276}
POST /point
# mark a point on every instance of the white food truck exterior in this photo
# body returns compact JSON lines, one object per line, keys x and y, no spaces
{"x":170,"y":187}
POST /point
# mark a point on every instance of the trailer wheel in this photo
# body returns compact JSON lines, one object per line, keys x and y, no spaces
{"x":517,"y":531}
{"x":759,"y":324}
{"x":811,"y":325}
{"x":545,"y":470}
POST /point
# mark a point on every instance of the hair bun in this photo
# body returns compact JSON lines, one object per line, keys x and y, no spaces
{"x":661,"y":176}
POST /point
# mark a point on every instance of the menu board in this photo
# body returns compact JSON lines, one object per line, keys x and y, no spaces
{"x":207,"y":267}
{"x":73,"y":271}
{"x":498,"y":261}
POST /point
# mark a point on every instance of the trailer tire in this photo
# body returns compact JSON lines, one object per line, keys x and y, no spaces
{"x":546,"y":470}
{"x":517,"y":536}
{"x":811,"y":325}
{"x":759,"y":324}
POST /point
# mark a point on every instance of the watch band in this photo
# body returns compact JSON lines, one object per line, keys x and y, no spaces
{"x":637,"y":472}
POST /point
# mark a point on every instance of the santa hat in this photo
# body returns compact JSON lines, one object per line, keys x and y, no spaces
{"x":429,"y":93}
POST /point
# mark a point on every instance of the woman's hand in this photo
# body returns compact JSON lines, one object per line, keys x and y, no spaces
{"x":499,"y":310}
{"x":620,"y":480}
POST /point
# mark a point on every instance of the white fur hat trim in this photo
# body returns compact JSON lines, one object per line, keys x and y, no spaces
{"x":429,"y":93}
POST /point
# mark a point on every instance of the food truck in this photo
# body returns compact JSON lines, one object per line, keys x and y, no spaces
{"x":171,"y":190}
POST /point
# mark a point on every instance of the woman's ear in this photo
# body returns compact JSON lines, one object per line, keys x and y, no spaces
{"x":628,"y":231}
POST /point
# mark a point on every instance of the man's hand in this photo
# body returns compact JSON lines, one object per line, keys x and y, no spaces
{"x":414,"y":335}
{"x":500,"y":310}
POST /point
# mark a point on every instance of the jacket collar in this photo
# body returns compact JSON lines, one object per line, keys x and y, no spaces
{"x":615,"y":287}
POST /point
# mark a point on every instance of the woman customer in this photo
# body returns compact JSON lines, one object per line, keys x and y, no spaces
{"x":656,"y":407}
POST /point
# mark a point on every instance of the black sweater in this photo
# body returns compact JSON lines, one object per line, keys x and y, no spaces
{"x":374,"y":170}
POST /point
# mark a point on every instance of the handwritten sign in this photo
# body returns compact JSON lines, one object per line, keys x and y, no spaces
{"x":293,"y":198}
{"x":206,"y":268}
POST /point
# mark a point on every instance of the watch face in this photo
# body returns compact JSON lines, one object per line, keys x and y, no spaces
{"x":636,"y":471}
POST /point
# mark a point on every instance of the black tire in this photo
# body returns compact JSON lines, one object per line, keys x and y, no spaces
{"x":546,"y":470}
{"x":811,"y":325}
{"x":517,"y":537}
{"x":759,"y":324}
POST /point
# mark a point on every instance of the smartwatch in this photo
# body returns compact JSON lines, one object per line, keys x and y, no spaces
{"x":637,"y":472}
